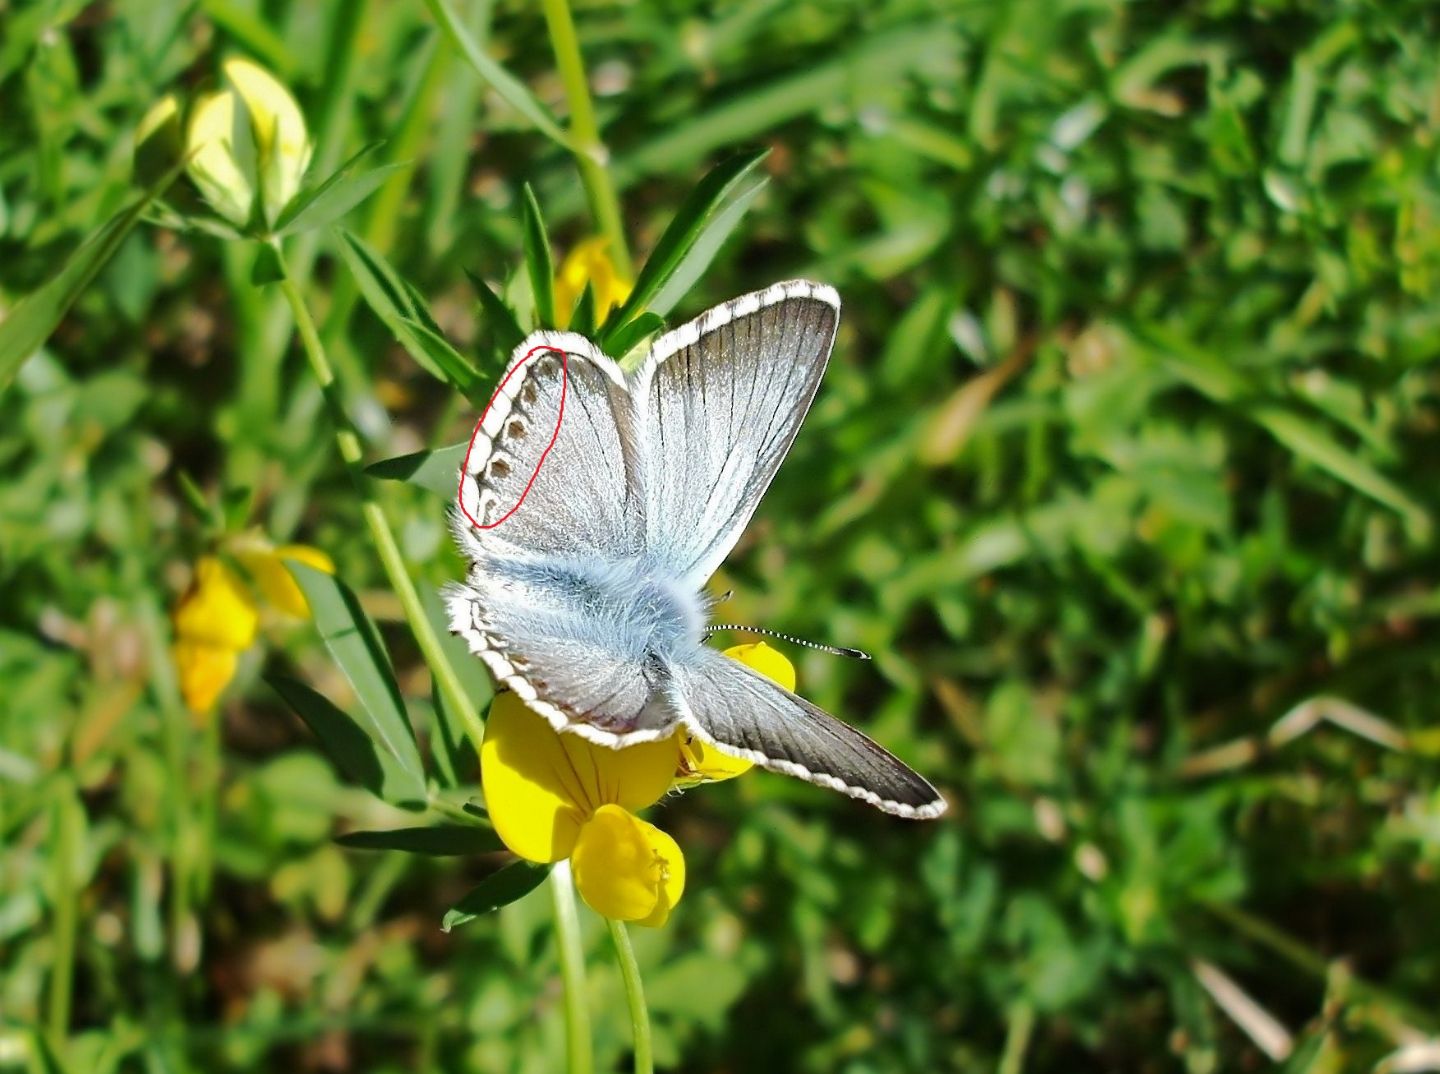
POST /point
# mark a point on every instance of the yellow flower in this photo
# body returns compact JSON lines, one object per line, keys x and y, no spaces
{"x":589,"y":263}
{"x":701,"y":763}
{"x":217,"y":618}
{"x":217,"y":609}
{"x":248,"y":141}
{"x":214,"y":622}
{"x":266,"y":566}
{"x":553,"y":796}
{"x":205,"y":671}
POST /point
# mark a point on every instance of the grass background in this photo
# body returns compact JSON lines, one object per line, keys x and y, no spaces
{"x":1128,"y":450}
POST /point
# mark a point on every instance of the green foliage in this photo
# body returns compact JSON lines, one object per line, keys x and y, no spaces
{"x":1123,"y":470}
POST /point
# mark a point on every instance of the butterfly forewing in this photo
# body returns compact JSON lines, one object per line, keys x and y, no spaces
{"x":720,"y":401}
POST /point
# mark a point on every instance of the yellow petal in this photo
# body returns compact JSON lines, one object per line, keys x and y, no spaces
{"x":281,"y":138}
{"x":627,"y":869}
{"x":701,"y":763}
{"x":534,"y":809}
{"x":204,"y":670}
{"x":222,"y":158}
{"x":587,"y":262}
{"x":541,"y":785}
{"x":765,"y":660}
{"x":274,"y":580}
{"x":217,"y":608}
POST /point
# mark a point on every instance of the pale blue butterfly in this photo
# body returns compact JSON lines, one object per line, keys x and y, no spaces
{"x":588,"y":598}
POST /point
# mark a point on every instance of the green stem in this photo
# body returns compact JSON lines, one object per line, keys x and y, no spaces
{"x":634,"y":996}
{"x":578,"y":1056}
{"x":591,"y":153}
{"x":62,"y":974}
{"x":388,"y":549}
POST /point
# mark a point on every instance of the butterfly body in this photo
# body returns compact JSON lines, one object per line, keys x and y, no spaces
{"x":587,"y":599}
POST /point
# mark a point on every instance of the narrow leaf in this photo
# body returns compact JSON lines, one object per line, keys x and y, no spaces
{"x":307,"y":197}
{"x":438,"y":470}
{"x":703,"y":250}
{"x":622,"y":341}
{"x":582,"y":318}
{"x":443,"y":840}
{"x":352,"y":746}
{"x":355,"y":643}
{"x":499,"y":317}
{"x":341,"y":194}
{"x":684,"y":230}
{"x":1309,"y":441}
{"x":510,"y":88}
{"x":513,"y":882}
{"x":539,"y":262}
{"x":30,"y":321}
{"x":448,"y":743}
{"x":400,"y":309}
{"x":454,"y":367}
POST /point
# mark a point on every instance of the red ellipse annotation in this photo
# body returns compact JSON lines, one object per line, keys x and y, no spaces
{"x":559,"y":417}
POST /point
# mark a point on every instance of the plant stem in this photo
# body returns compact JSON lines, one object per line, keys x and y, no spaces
{"x":634,"y":996}
{"x":388,"y":549}
{"x":591,"y":154}
{"x":578,"y":1056}
{"x":62,"y":973}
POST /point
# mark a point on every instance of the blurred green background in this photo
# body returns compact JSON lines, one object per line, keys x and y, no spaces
{"x":1124,"y":471}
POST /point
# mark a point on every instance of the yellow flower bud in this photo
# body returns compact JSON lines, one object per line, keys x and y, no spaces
{"x":248,"y":140}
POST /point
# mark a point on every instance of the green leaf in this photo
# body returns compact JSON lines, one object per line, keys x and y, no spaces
{"x":630,"y":335}
{"x":355,"y":643}
{"x":501,"y":318}
{"x":513,"y":882}
{"x":353,"y":747}
{"x":449,"y":744}
{"x":30,"y":321}
{"x":438,"y":470}
{"x":269,"y":266}
{"x":582,"y":317}
{"x":442,"y":840}
{"x":402,"y":311}
{"x":1309,"y":441}
{"x":511,"y":90}
{"x":307,"y":197}
{"x":333,"y":199}
{"x":703,"y":250}
{"x":454,"y":367}
{"x":681,"y":236}
{"x":539,"y":262}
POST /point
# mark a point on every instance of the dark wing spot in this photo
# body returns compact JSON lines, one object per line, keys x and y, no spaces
{"x":516,"y":430}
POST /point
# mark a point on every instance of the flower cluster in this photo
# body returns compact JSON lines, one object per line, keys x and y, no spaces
{"x":553,"y":796}
{"x":219,"y":615}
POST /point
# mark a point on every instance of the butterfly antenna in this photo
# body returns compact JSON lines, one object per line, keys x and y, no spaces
{"x":833,"y":650}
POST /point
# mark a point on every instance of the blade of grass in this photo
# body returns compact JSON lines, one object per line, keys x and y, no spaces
{"x":539,"y":262}
{"x":511,"y":89}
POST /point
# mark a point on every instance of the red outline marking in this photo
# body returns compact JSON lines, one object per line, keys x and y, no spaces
{"x":465,"y":467}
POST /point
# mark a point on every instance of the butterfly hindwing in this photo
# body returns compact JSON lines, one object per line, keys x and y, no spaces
{"x":743,"y":713}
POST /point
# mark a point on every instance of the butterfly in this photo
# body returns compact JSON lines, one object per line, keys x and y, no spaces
{"x":594,"y":505}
